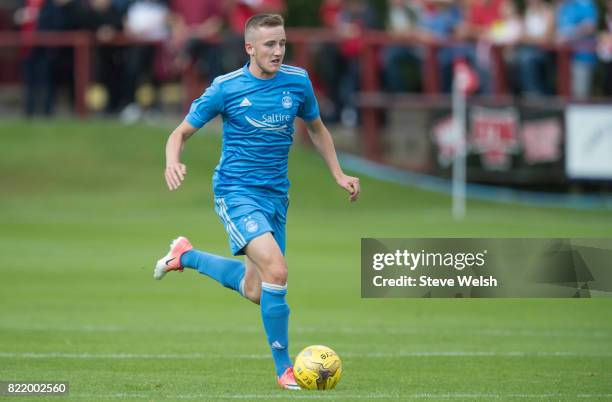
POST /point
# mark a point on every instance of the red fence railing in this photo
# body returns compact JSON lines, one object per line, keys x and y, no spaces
{"x":302,"y":40}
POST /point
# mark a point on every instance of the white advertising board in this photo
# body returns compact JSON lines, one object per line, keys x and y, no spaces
{"x":588,"y":141}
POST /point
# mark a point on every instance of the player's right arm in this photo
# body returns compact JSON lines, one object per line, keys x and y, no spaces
{"x":175,"y":170}
{"x":201,"y":111}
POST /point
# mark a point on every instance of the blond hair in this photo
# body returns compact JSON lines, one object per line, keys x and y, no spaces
{"x":262,"y":20}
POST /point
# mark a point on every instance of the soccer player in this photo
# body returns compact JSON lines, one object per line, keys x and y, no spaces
{"x":258,"y":103}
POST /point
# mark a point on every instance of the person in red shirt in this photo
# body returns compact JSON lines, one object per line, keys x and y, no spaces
{"x":196,"y":30}
{"x":480,"y":16}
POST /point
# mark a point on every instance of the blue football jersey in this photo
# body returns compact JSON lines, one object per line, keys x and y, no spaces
{"x":258,"y":116}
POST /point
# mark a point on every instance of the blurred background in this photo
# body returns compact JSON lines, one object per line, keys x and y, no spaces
{"x":89,"y":91}
{"x":383,"y":70}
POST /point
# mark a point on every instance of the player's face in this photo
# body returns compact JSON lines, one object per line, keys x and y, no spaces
{"x":268,"y":50}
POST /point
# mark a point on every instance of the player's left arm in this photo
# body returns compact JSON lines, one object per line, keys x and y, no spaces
{"x":323,"y":142}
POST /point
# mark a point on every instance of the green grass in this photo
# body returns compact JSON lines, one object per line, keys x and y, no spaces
{"x":84,"y":214}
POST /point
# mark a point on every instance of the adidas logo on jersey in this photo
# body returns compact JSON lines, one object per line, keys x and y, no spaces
{"x":245,"y":102}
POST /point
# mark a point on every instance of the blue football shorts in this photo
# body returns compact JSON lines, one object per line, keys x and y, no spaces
{"x":246,"y":217}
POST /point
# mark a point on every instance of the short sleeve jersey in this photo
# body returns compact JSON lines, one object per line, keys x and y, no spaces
{"x":258,"y":116}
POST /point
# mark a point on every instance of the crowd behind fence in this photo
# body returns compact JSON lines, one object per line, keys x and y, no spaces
{"x":540,"y":49}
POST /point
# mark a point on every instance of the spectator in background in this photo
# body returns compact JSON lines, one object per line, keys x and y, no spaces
{"x":194,"y":26}
{"x":507,"y":29}
{"x":402,"y":19}
{"x":340,"y":63}
{"x":576,"y":22}
{"x":604,"y":50}
{"x":532,"y":59}
{"x":37,"y":75}
{"x":106,"y":21}
{"x":330,"y":15}
{"x":506,"y":32}
{"x":42,"y":68}
{"x":435,"y":23}
{"x":438,"y":22}
{"x":147,"y":20}
{"x":480,"y":17}
{"x":71,"y":16}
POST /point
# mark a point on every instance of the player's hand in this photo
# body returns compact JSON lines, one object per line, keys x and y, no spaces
{"x":175,"y":174}
{"x":350,"y":184}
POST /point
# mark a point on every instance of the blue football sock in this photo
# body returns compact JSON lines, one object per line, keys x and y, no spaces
{"x":275,"y":316}
{"x":228,"y":272}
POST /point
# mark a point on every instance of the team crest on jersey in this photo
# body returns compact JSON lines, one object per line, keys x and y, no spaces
{"x":250,"y":225}
{"x":287,"y":101}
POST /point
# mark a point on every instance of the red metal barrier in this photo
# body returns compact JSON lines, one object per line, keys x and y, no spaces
{"x":301,"y":39}
{"x":80,"y":41}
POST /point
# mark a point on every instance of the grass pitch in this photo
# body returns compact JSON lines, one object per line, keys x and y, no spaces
{"x":84,"y":214}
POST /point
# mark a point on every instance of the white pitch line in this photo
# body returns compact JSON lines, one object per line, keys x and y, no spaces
{"x":385,"y":355}
{"x":332,"y":330}
{"x":340,"y":395}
